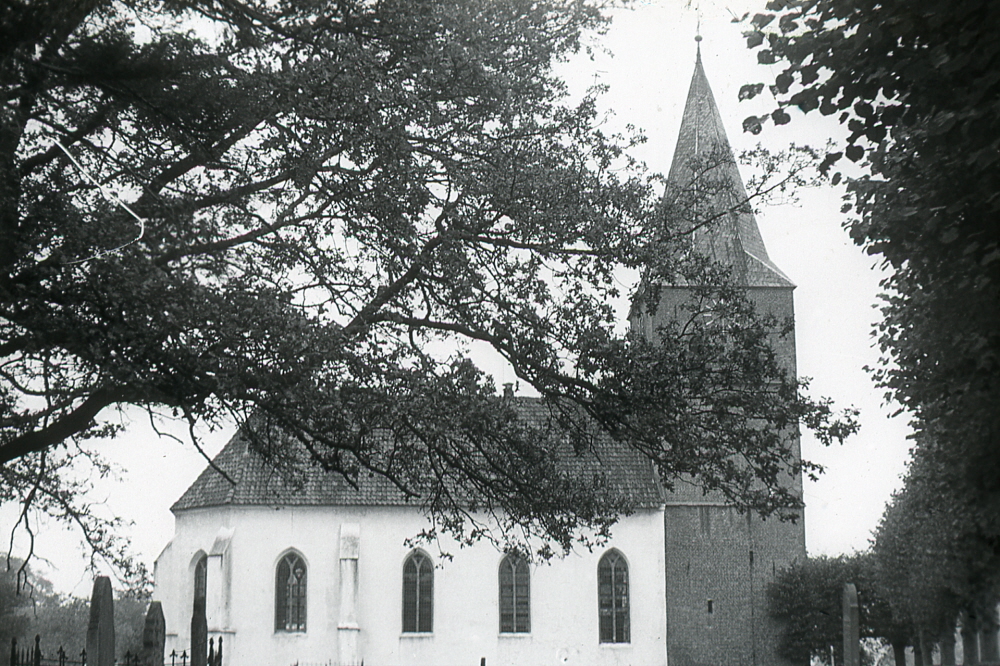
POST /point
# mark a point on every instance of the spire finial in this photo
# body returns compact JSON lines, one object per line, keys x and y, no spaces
{"x":697,"y":34}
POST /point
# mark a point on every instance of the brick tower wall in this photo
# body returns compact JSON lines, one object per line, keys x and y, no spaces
{"x":715,"y":553}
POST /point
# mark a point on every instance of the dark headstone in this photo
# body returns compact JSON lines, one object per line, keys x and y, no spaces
{"x":154,"y":636}
{"x":101,"y":630}
{"x":852,"y":631}
{"x":199,"y":634}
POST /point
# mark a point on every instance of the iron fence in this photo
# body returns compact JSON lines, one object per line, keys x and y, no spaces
{"x":32,"y":656}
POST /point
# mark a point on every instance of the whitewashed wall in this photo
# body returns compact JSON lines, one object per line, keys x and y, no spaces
{"x":245,"y":544}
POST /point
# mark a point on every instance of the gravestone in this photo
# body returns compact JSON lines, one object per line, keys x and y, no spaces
{"x":199,"y":634}
{"x":154,"y":636}
{"x":101,"y":629}
{"x":852,"y":630}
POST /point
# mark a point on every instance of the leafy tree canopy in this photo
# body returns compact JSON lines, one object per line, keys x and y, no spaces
{"x":305,"y":212}
{"x":807,"y":598}
{"x":929,"y":568}
{"x":916,"y":84}
{"x":935,"y":558}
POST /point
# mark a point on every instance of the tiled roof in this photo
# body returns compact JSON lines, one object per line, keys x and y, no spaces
{"x":734,"y":241}
{"x":254,"y":482}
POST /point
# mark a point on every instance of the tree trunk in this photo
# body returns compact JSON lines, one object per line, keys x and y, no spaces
{"x":926,"y":650}
{"x":970,"y":641}
{"x":899,"y":653}
{"x":947,"y":642}
{"x":989,"y":645}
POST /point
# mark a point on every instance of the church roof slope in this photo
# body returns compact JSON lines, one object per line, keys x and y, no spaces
{"x":734,"y":240}
{"x":256,"y":483}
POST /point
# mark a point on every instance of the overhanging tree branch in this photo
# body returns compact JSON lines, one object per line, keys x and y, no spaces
{"x":63,"y":427}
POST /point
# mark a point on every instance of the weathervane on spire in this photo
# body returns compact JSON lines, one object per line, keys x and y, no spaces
{"x":697,"y":34}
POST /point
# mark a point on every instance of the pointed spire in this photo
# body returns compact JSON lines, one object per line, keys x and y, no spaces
{"x":734,"y":240}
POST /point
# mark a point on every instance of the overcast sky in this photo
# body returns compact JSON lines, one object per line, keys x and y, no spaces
{"x":654,"y":54}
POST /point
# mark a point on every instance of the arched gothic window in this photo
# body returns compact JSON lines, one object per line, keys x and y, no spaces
{"x":200,"y":582}
{"x":613,"y":598}
{"x":290,"y":594}
{"x":515,"y":595}
{"x":418,"y":593}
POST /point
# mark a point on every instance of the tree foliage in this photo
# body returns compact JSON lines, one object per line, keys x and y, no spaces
{"x":308,"y":213}
{"x":58,"y":483}
{"x":61,"y":621}
{"x":929,"y":568}
{"x":916,"y":84}
{"x":807,"y":599}
{"x":29,"y":607}
{"x":935,"y":564}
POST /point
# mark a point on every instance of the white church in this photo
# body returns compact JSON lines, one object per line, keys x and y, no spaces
{"x":322,"y":574}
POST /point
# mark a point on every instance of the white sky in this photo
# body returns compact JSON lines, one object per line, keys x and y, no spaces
{"x":837,"y":286}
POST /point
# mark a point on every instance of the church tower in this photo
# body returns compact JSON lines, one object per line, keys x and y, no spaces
{"x":718,"y":561}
